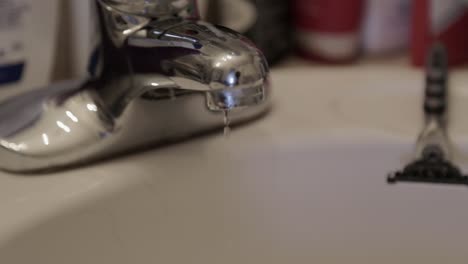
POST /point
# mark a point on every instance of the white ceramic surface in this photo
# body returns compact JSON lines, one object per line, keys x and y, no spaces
{"x":305,"y":184}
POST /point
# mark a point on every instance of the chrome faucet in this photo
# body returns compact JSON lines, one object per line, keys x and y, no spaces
{"x":162,"y":75}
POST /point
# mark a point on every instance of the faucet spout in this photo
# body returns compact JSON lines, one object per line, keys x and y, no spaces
{"x":201,"y":57}
{"x":174,"y":56}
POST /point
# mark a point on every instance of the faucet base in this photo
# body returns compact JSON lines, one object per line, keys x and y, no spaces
{"x":75,"y":128}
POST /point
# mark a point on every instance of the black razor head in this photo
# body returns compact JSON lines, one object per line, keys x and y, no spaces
{"x":431,"y":168}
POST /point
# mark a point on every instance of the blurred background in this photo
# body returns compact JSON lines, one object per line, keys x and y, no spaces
{"x":334,"y":31}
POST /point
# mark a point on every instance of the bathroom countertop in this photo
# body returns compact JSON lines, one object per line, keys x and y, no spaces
{"x":373,"y":98}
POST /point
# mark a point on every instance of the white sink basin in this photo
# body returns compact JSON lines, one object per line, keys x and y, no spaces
{"x":306,"y":184}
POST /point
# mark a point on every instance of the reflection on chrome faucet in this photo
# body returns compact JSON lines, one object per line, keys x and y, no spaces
{"x":163,"y":75}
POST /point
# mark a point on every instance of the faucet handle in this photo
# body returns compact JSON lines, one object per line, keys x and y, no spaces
{"x":122,"y":18}
{"x":156,"y":8}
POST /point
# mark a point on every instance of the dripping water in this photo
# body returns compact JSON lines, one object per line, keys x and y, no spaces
{"x":227,"y":123}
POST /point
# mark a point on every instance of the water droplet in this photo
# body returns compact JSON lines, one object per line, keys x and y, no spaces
{"x":227,"y":131}
{"x":227,"y":123}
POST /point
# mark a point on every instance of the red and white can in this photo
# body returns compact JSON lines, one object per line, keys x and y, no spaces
{"x":328,"y":30}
